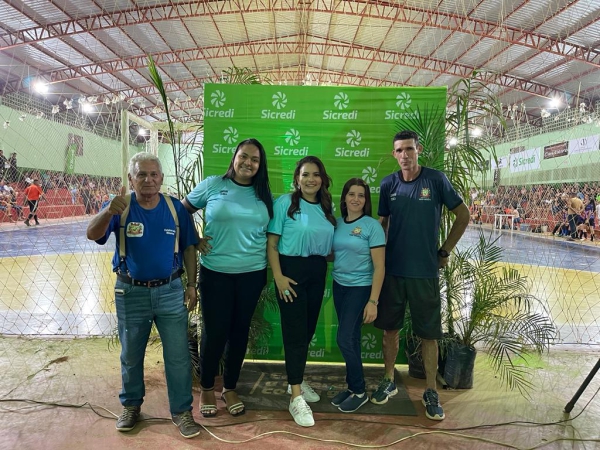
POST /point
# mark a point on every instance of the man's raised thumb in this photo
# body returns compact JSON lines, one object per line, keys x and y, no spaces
{"x":123,"y":191}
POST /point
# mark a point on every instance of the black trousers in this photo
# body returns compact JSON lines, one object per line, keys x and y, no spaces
{"x":33,"y":205}
{"x":228,"y":302}
{"x":299,"y":318}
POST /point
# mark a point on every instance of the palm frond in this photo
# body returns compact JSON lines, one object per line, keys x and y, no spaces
{"x":489,"y":304}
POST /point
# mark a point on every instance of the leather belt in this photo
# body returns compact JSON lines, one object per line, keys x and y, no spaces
{"x":151,"y":283}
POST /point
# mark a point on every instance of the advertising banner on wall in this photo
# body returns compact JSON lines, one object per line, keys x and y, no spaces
{"x":556,"y":150}
{"x":502,"y":162}
{"x":349,"y":128}
{"x":525,"y":160}
{"x":584,"y":144}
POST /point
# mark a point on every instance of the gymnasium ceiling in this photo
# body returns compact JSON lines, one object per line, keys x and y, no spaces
{"x":528,"y":51}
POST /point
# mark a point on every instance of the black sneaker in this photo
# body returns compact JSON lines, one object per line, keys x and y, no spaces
{"x":27,"y":222}
{"x":188,"y":427}
{"x":340,"y":397}
{"x":433,"y":408}
{"x":36,"y":222}
{"x":128,"y":418}
{"x":353,"y":402}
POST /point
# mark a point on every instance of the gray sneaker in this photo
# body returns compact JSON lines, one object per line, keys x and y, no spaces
{"x":128,"y":418}
{"x":188,"y":427}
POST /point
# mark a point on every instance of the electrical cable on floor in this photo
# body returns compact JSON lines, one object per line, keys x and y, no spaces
{"x":452,"y":432}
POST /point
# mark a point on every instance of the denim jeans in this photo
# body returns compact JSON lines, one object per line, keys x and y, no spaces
{"x":137,"y":308}
{"x":350,"y":302}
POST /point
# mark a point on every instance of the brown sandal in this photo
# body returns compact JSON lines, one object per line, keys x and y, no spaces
{"x":236,"y":408}
{"x":207,"y":409}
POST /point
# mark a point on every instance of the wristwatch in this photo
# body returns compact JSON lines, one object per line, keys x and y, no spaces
{"x":443,"y":253}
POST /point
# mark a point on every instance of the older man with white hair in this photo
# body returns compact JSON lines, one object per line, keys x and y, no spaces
{"x":155,"y":240}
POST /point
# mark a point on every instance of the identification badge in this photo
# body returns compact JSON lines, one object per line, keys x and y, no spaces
{"x":135,"y":229}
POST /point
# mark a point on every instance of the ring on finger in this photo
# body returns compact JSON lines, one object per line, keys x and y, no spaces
{"x":286,"y":292}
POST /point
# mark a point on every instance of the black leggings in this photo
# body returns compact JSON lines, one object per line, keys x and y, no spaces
{"x":299,"y":318}
{"x":228,"y":301}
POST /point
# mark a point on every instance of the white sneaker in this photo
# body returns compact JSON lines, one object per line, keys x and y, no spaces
{"x":308,"y":393}
{"x":301,"y":412}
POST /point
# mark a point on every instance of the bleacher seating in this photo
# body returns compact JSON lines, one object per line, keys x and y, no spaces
{"x":56,"y":205}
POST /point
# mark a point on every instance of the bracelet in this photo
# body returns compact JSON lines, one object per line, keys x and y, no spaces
{"x":194,"y":285}
{"x":375,"y":302}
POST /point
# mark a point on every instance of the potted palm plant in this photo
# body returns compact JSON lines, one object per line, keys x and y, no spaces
{"x":489,"y":305}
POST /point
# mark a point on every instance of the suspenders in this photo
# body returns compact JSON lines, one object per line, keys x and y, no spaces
{"x":122,"y":240}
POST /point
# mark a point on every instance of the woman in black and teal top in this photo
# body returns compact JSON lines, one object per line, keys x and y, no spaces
{"x":358,"y":272}
{"x":238,"y":207}
{"x":300,"y":236}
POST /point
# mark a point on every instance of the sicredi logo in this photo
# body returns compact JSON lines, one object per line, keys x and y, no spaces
{"x":218,"y":99}
{"x":353,"y":139}
{"x":230,"y":136}
{"x":369,"y":175}
{"x":278,"y":100}
{"x":292,"y":138}
{"x":368,"y":341}
{"x":403,"y":102}
{"x":340,"y":101}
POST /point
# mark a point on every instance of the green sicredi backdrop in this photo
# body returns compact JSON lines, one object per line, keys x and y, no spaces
{"x":349,"y":128}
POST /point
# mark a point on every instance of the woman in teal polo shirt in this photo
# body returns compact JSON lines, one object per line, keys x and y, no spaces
{"x":300,"y":236}
{"x":358,"y":272}
{"x":238,"y":207}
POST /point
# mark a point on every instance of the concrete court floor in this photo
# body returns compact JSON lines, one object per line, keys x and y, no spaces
{"x":87,"y":370}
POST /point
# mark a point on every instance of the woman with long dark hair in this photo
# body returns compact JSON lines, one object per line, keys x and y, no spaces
{"x":300,"y":238}
{"x":358,"y":272}
{"x":237,"y":209}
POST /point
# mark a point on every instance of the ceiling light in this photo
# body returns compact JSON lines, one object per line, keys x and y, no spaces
{"x":554,"y":103}
{"x":41,"y":87}
{"x":142,"y":132}
{"x":87,"y":108}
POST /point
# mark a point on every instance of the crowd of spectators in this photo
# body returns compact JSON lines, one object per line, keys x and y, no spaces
{"x":539,"y":205}
{"x":89,"y":191}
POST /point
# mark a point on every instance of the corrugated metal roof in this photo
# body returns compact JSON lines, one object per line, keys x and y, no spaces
{"x":536,"y":47}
